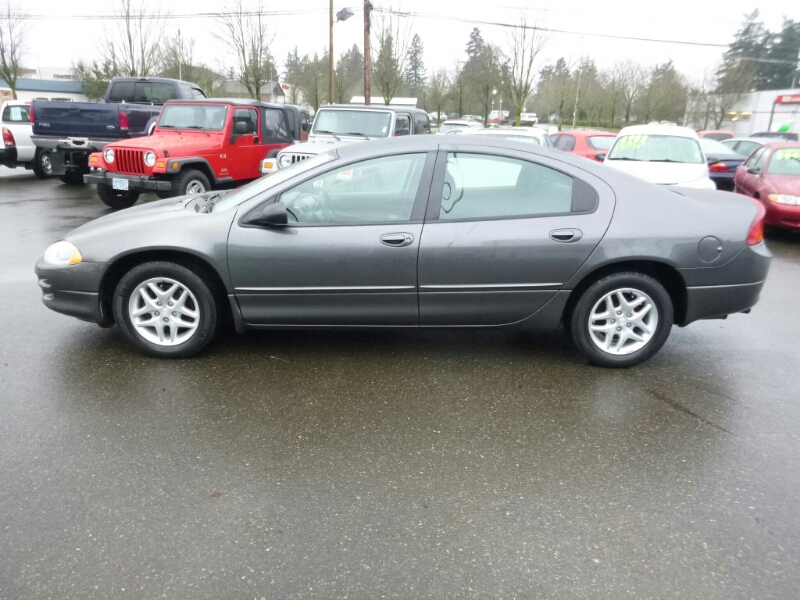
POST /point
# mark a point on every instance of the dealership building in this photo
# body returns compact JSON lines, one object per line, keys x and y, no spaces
{"x":45,"y":84}
{"x":765,"y":111}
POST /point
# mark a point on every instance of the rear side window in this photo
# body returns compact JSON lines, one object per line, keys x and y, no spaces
{"x":480,"y":186}
{"x":275,"y":125}
{"x":565,"y":142}
{"x":16,"y":114}
{"x":421,"y":124}
{"x":141,"y":92}
{"x":600,"y":142}
{"x":402,"y":125}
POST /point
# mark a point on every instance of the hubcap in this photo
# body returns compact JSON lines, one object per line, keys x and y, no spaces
{"x":623,"y":321}
{"x":164,"y":311}
{"x":47,"y":167}
{"x":195,"y":187}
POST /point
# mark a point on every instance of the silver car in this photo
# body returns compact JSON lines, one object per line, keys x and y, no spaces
{"x":423,"y":231}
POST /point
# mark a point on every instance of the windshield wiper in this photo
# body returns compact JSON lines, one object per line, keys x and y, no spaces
{"x":323,"y":132}
{"x":357,"y":134}
{"x":166,"y":126}
{"x":193,"y":127}
{"x":666,"y":160}
{"x":625,"y":158}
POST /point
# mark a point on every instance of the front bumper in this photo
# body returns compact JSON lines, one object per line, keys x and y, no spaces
{"x":782,"y":215}
{"x":135,"y":182}
{"x":74,"y":290}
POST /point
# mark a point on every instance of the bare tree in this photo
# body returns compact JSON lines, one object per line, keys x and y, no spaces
{"x":12,"y":44}
{"x":246,"y":34}
{"x":438,"y":85}
{"x":525,"y":43}
{"x":389,"y":62}
{"x":633,"y":80}
{"x":133,"y":41}
{"x":457,"y":92}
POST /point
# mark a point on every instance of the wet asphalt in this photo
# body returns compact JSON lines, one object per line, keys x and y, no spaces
{"x":390,"y":464}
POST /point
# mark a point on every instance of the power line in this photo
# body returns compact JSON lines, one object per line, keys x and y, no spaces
{"x":171,"y":16}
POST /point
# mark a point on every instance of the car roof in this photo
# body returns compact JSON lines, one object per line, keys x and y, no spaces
{"x":375,"y":107}
{"x":715,"y":131}
{"x":234,"y":101}
{"x":518,"y":131}
{"x":460,"y":122}
{"x":673,"y":130}
{"x":585,"y":133}
{"x":782,"y":144}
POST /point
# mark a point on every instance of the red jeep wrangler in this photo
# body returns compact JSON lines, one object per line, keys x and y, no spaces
{"x":197,"y":146}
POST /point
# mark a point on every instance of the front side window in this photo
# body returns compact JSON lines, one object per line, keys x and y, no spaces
{"x":245,"y":121}
{"x":785,"y":161}
{"x":565,"y":143}
{"x":751,"y":162}
{"x":193,"y":116}
{"x":479,"y":186}
{"x":379,"y":190}
{"x":361,"y":123}
{"x":657,"y":148}
{"x":761,"y":159}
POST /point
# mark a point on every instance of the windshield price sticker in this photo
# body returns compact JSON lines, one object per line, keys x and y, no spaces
{"x":787,"y":154}
{"x":632,"y":142}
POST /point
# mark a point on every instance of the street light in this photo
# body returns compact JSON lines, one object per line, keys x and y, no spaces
{"x":494,"y":93}
{"x":342,"y":15}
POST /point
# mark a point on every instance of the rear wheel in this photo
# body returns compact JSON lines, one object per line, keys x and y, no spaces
{"x":117,"y":199}
{"x":190,"y":183}
{"x":42,"y":167}
{"x":621,"y":320}
{"x":165,"y":310}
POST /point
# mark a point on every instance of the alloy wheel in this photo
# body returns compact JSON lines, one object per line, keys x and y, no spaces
{"x":164,"y":311}
{"x":623,"y":321}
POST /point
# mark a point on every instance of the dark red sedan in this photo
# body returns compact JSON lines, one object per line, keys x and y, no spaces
{"x":772,"y":175}
{"x":586,"y":143}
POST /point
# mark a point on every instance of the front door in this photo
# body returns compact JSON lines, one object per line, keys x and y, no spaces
{"x":246,"y":150}
{"x":503,"y":234}
{"x":349,"y":253}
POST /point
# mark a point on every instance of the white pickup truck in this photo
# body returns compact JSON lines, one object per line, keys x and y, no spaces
{"x":18,"y":150}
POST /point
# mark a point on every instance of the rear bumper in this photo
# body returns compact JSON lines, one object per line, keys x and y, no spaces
{"x":135,"y":182}
{"x":8,"y":155}
{"x":723,"y":181}
{"x":67,"y":144}
{"x":74,"y":291}
{"x":717,"y":302}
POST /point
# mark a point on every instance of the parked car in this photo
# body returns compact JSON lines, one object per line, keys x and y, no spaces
{"x":196,"y":146}
{"x":419,"y":232}
{"x":586,"y":143}
{"x":17,"y":150}
{"x":746,"y":146}
{"x":521,"y":134}
{"x":458,"y":124}
{"x":778,"y":135}
{"x":662,"y":154}
{"x":716,"y":134}
{"x":66,"y":133}
{"x":772,"y":176}
{"x":722,"y":163}
{"x":337,"y":124}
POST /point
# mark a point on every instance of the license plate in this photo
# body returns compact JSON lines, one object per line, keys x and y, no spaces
{"x":119,"y":184}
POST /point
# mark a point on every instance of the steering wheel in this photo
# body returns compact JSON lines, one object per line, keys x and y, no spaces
{"x":324,"y":207}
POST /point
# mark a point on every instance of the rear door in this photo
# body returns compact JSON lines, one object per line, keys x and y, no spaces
{"x":503,"y":233}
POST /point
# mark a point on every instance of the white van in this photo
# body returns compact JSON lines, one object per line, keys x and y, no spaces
{"x":661,"y":154}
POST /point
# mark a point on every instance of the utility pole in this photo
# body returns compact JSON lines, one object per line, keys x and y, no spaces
{"x":367,"y":9}
{"x":180,"y":56}
{"x":577,"y":91}
{"x":330,"y":58}
{"x":796,"y":71}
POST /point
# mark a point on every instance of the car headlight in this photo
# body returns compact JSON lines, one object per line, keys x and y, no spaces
{"x":108,"y":155}
{"x":150,"y":158}
{"x":785,"y":199}
{"x":284,"y":161}
{"x":62,"y":253}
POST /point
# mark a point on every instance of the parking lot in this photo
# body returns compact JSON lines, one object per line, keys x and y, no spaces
{"x":390,"y":464}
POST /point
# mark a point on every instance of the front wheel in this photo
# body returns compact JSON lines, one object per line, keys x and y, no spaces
{"x":190,"y":183}
{"x":165,"y":310}
{"x":621,"y":320}
{"x":117,"y":199}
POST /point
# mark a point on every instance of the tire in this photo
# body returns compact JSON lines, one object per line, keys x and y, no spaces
{"x":117,"y":199}
{"x":190,"y":182}
{"x":163,"y":195}
{"x":72,"y":177}
{"x":42,"y":167}
{"x":195,"y":308}
{"x":647,"y":331}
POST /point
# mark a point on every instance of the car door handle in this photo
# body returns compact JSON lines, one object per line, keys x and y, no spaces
{"x":566,"y":235}
{"x":397,"y":240}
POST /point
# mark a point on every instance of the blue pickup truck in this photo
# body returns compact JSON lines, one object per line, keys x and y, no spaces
{"x":66,"y":133}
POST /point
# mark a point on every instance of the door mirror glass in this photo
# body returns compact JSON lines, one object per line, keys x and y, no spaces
{"x":271,"y":215}
{"x":754,"y":170}
{"x":601,"y":156}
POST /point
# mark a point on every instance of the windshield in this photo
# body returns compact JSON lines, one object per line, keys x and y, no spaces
{"x":367,"y":123}
{"x":444,"y":127}
{"x":209,"y":117}
{"x":259,"y":186}
{"x":657,"y":148}
{"x":785,"y":161}
{"x":600,"y":142}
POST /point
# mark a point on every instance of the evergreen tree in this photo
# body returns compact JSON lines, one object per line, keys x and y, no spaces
{"x":740,"y":68}
{"x":475,"y":43}
{"x":779,"y":72}
{"x":416,"y":74}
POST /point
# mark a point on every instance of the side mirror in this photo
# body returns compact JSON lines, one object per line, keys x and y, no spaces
{"x":272,"y":215}
{"x":710,"y":160}
{"x":600,"y":156}
{"x":754,"y":170}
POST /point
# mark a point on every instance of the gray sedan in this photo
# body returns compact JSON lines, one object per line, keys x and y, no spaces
{"x":463,"y":231}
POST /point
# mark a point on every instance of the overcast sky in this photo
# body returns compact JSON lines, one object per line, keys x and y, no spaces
{"x":65,"y":36}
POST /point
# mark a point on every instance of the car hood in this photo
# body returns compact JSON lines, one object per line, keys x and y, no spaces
{"x":319,"y":145}
{"x":660,"y":172}
{"x":177,"y":143}
{"x":784,"y":184}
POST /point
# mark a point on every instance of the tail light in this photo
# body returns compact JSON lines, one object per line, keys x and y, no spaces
{"x":8,"y":137}
{"x":123,"y":121}
{"x":755,"y":235}
{"x":718,"y":168}
{"x":30,"y":113}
